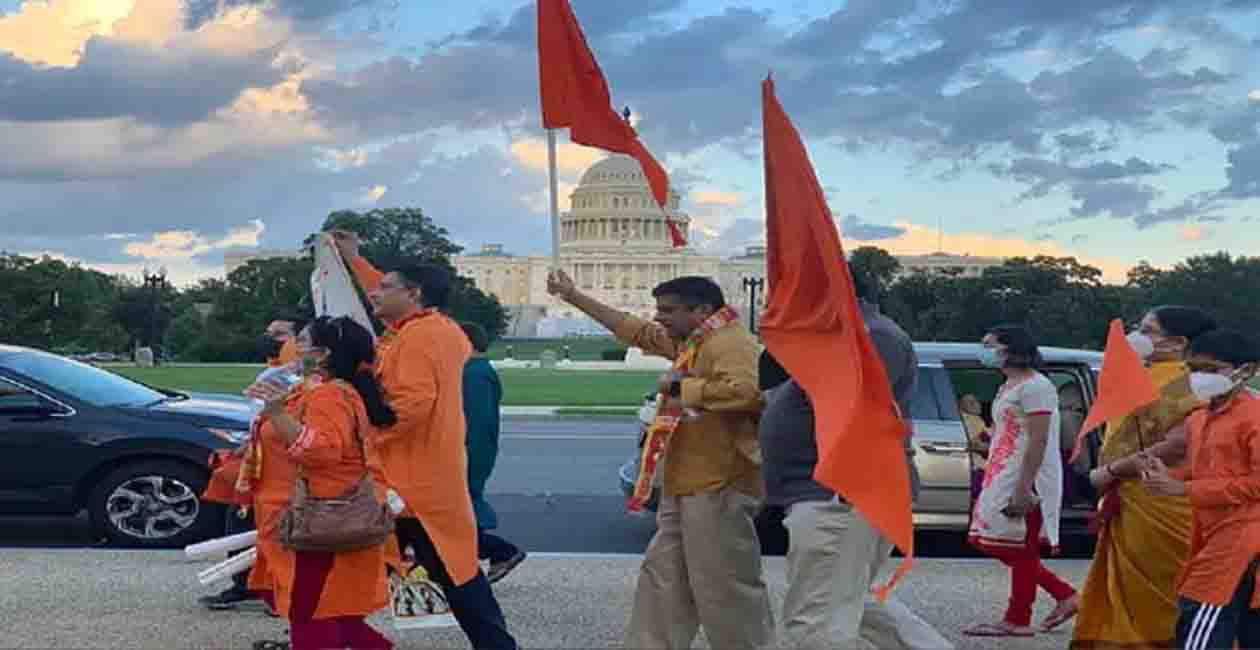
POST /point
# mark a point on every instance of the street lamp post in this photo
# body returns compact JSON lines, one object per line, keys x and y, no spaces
{"x":751,"y":286}
{"x":155,"y":283}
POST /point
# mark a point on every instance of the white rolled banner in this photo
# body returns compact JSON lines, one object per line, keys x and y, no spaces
{"x":229,"y":567}
{"x":219,"y":545}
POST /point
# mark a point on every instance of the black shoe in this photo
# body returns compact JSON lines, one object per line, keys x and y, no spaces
{"x":228,"y":598}
{"x":499,"y":570}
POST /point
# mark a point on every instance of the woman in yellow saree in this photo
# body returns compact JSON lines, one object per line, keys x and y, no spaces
{"x":1129,"y":601}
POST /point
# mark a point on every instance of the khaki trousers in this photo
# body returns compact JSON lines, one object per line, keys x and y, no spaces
{"x":702,"y":569}
{"x":833,"y":559}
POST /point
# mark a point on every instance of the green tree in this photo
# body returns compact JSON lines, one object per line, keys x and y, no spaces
{"x":878,"y":264}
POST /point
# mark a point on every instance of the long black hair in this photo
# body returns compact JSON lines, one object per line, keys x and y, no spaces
{"x":1186,"y":322}
{"x":351,"y":354}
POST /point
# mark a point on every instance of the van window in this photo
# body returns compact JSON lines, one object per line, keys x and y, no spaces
{"x":924,"y":404}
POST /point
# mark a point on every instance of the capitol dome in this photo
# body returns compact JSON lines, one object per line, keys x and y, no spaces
{"x":613,"y":207}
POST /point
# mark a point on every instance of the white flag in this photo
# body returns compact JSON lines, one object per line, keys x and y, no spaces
{"x":333,"y":288}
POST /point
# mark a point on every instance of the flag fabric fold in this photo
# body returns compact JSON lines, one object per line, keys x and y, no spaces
{"x":814,"y":328}
{"x":575,"y":96}
{"x":1124,"y":385}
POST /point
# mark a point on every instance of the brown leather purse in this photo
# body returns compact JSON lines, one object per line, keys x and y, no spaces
{"x":356,"y":520}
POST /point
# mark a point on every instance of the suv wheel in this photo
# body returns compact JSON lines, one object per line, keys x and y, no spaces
{"x":153,"y":504}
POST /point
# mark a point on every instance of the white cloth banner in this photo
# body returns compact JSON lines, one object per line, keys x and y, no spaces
{"x":333,"y":287}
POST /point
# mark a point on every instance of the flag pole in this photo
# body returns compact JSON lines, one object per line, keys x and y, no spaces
{"x":555,"y":199}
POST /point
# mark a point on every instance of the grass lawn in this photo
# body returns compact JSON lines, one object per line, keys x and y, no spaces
{"x":521,"y":386}
{"x":580,"y":349}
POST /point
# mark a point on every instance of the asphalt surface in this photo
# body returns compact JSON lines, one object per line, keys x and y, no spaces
{"x":555,"y":487}
{"x":121,"y":599}
{"x":557,"y":495}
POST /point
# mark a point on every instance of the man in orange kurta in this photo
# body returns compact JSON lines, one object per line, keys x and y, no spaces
{"x":278,"y":346}
{"x":420,"y":364}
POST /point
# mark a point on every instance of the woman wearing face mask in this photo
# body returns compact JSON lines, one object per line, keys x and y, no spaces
{"x":1129,"y":599}
{"x":319,"y":428}
{"x":1221,"y":478}
{"x":1018,"y":508}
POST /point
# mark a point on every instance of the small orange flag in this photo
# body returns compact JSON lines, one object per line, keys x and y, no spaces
{"x":1124,"y":385}
{"x":575,"y":95}
{"x":814,"y":328}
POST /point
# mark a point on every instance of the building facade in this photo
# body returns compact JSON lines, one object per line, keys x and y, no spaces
{"x":615,"y":245}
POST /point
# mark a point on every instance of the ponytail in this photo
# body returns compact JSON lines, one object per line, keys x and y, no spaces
{"x":379,"y":412}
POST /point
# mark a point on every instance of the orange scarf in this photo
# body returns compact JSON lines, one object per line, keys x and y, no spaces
{"x":669,"y":411}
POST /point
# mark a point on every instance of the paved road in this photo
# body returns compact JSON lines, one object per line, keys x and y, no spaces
{"x":112,"y":599}
{"x":555,"y":488}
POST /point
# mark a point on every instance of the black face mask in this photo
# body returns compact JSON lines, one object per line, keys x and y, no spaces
{"x":269,"y":347}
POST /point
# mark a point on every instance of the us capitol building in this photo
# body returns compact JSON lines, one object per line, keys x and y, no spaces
{"x":615,"y":245}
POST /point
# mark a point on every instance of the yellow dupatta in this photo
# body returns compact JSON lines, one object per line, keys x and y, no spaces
{"x":1129,"y":600}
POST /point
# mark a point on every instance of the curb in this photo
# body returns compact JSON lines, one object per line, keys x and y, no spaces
{"x":554,"y":410}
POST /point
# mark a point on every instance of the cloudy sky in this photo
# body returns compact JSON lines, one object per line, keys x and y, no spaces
{"x":165,"y":132}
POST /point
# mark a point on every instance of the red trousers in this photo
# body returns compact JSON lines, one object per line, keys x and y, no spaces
{"x":1027,"y":573}
{"x":309,"y":633}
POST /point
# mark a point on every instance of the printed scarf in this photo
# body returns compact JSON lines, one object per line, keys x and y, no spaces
{"x":252,"y":456}
{"x":669,"y":411}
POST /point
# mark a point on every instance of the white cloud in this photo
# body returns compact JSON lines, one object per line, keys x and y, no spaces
{"x":1194,"y":233}
{"x":570,"y":158}
{"x":717,"y":198}
{"x":540,"y":202}
{"x":53,"y":32}
{"x":180,"y":273}
{"x":921,"y":240}
{"x":186,"y":244}
{"x":373,"y":194}
{"x":1254,"y":96}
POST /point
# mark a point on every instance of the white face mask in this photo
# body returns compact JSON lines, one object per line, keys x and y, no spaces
{"x":1142,"y":344}
{"x":1207,"y":385}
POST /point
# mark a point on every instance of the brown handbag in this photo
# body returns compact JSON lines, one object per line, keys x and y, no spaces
{"x":356,"y":520}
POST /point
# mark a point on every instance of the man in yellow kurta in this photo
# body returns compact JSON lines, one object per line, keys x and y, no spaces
{"x":703,"y":566}
{"x":420,"y":365}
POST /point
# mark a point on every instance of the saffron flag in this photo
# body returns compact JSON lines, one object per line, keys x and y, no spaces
{"x":814,"y":328}
{"x":575,"y":95}
{"x":1124,"y":385}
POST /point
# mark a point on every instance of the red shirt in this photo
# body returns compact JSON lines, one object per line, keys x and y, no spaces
{"x":1222,"y":475}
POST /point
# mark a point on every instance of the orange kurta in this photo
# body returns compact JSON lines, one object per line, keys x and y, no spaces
{"x":224,"y":467}
{"x":420,"y":364}
{"x":1222,"y":473}
{"x":333,"y":462}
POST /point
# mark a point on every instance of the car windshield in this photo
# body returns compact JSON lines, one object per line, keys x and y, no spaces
{"x":82,"y":381}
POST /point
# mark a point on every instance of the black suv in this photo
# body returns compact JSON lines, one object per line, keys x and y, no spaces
{"x":75,"y":437}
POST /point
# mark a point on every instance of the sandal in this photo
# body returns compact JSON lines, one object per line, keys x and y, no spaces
{"x":998,"y":629}
{"x":271,"y":645}
{"x":1063,"y":612}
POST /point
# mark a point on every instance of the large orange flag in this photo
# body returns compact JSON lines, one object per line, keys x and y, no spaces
{"x":1124,"y":385}
{"x":575,"y":95}
{"x":813,"y":326}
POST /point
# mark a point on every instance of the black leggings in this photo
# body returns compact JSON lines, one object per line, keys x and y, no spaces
{"x":473,"y":603}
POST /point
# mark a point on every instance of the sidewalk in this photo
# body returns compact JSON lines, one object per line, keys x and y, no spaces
{"x":133,"y":599}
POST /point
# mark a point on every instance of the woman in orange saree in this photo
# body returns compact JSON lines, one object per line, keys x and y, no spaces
{"x":1129,"y":601}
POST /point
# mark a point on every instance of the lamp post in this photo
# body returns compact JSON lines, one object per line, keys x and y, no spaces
{"x":154,"y":282}
{"x":751,"y":286}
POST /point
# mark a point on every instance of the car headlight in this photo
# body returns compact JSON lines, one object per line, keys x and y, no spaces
{"x":234,"y":436}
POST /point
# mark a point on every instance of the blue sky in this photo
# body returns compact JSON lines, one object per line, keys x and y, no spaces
{"x":1112,"y":130}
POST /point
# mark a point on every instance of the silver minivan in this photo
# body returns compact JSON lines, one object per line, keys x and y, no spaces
{"x":947,"y":373}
